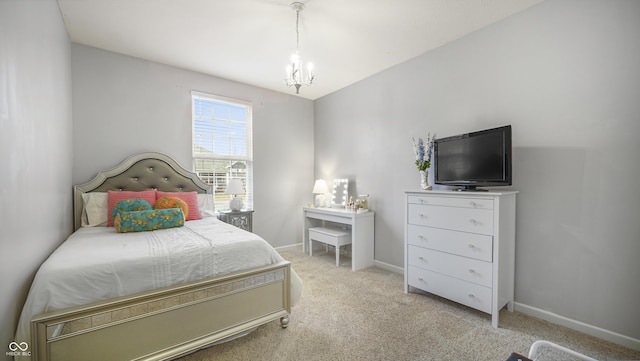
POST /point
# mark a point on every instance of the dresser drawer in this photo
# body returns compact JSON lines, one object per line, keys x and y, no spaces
{"x":466,"y":293}
{"x":463,"y":268}
{"x":472,"y":245}
{"x":460,"y":219}
{"x":476,"y":203}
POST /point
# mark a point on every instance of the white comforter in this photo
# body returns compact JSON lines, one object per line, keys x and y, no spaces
{"x":97,"y":263}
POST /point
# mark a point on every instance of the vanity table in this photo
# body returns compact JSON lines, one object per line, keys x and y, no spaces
{"x":360,"y":226}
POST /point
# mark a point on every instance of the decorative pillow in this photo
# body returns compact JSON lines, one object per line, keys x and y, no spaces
{"x":191,"y":198}
{"x":128,"y":205}
{"x":94,"y":205}
{"x":172,"y":202}
{"x":149,"y":220}
{"x":206,"y":205}
{"x":116,"y":196}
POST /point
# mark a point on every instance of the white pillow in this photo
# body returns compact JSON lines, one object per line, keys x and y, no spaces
{"x":94,"y":209}
{"x":206,"y":205}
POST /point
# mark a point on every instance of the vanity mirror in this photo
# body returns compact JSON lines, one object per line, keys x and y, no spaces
{"x":340,"y":192}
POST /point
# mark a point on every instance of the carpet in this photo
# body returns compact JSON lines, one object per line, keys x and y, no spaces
{"x":365,"y":315}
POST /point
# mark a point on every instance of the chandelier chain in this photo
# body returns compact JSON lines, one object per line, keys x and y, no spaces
{"x":297,"y":31}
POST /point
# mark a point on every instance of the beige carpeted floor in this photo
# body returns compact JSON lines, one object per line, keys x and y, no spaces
{"x":365,"y":315}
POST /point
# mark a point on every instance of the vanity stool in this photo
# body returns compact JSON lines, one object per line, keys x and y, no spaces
{"x":329,"y":236}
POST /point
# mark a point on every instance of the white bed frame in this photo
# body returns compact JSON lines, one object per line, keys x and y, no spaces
{"x":165,"y":323}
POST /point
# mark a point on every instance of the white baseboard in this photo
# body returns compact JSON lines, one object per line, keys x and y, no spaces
{"x":595,"y":331}
{"x":388,"y":267}
{"x":291,"y":247}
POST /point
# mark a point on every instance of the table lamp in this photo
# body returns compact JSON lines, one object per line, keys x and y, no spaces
{"x":320,"y":189}
{"x":235,"y":187}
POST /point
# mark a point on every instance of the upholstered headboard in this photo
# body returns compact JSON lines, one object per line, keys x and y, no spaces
{"x":138,"y":173}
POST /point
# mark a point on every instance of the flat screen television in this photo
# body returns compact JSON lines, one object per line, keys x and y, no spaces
{"x":472,"y":160}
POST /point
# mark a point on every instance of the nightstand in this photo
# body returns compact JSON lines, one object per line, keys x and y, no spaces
{"x":242,"y":219}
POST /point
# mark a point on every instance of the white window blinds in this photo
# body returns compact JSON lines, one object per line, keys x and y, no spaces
{"x":222,"y":145}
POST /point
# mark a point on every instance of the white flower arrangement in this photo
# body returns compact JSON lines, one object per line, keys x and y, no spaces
{"x":423,"y":152}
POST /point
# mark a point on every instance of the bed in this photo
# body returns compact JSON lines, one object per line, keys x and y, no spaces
{"x":154,"y":295}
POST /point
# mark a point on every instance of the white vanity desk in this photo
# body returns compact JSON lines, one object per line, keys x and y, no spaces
{"x":361,"y":226}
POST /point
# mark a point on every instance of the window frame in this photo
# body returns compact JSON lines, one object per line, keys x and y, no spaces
{"x":214,"y":177}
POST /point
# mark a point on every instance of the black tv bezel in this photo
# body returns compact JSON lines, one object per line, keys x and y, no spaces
{"x":473,"y":184}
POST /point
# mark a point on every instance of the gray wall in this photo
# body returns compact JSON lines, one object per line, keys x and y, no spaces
{"x":124,"y":105}
{"x":35,"y":143}
{"x":563,"y":73}
{"x":566,"y":75}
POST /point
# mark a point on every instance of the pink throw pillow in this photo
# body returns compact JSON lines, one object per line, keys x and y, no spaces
{"x":113,"y":197}
{"x":191,"y":198}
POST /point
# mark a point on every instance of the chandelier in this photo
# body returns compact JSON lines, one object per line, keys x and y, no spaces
{"x":295,"y":76}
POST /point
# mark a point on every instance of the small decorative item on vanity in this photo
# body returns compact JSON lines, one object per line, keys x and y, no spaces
{"x":362,"y":203}
{"x":423,"y":159}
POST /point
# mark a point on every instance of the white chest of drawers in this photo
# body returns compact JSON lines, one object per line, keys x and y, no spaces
{"x":461,"y":246}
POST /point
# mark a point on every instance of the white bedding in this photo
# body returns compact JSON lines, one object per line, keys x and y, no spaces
{"x":96,"y":263}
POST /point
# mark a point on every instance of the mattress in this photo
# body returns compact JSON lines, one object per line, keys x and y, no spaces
{"x":96,"y":263}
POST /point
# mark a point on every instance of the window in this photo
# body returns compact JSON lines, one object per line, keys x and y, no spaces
{"x":222,"y":145}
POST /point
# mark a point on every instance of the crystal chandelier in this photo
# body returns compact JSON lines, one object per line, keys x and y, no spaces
{"x":295,"y":76}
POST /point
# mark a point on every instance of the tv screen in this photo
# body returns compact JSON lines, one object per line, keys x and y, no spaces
{"x":477,"y":159}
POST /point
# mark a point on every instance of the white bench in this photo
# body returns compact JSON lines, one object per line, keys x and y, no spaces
{"x":329,"y":236}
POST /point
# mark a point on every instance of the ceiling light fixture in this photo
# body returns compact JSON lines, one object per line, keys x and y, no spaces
{"x":295,"y":77}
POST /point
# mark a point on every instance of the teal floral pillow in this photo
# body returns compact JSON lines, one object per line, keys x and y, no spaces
{"x":148,"y":220}
{"x":132,"y":204}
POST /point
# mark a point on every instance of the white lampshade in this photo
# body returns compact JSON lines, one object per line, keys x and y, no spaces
{"x":235,"y":187}
{"x":320,"y":187}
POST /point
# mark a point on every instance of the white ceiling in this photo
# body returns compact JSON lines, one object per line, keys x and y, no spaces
{"x":251,"y":41}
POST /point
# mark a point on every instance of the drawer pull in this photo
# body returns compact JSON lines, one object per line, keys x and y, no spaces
{"x":473,"y":204}
{"x":422,"y":280}
{"x":472,"y":246}
{"x":472,"y":271}
{"x":474,"y":222}
{"x":422,"y":238}
{"x":422,"y":259}
{"x":471,"y":295}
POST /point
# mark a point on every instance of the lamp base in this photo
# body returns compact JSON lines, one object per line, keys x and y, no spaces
{"x":319,"y":201}
{"x":236,"y":203}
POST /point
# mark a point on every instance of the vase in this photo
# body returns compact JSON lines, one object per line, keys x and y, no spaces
{"x":424,"y":180}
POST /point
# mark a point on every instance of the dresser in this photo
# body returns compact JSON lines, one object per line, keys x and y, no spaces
{"x":461,"y":246}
